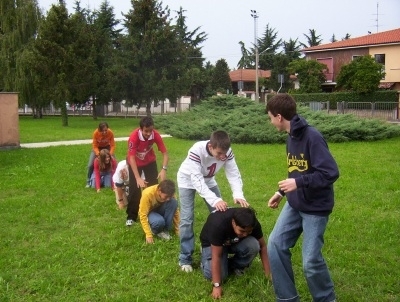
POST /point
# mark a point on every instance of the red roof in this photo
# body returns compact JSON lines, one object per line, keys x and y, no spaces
{"x":248,"y":75}
{"x":382,"y":38}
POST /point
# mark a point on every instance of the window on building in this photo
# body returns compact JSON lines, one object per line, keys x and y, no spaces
{"x":380,"y":58}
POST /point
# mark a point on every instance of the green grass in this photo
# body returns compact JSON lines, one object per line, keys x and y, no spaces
{"x":62,"y":242}
{"x":49,"y":128}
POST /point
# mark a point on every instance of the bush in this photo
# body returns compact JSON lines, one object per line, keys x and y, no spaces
{"x":246,"y":122}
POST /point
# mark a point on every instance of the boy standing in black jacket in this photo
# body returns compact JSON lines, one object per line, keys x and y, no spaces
{"x":309,"y":190}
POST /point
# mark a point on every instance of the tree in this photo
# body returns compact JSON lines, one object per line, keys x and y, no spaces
{"x":346,"y":37}
{"x":221,"y":81}
{"x":362,"y":75}
{"x":54,"y":57}
{"x":333,"y":38}
{"x":268,"y":45}
{"x":19,"y":22}
{"x":246,"y":61}
{"x":312,"y":39}
{"x":310,"y":74}
{"x":156,"y":56}
{"x":192,"y":81}
{"x":105,"y":50}
{"x":281,"y":62}
{"x":291,"y":49}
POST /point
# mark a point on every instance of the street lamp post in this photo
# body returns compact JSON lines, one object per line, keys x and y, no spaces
{"x":254,"y":14}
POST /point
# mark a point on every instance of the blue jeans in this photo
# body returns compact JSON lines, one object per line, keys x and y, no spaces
{"x":105,"y":180}
{"x":287,"y":230}
{"x":244,"y":253}
{"x":186,"y":233}
{"x":161,"y":218}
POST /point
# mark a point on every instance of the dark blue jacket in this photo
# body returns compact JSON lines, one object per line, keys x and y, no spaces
{"x":312,"y":166}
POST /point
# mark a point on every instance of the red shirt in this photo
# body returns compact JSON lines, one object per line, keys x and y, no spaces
{"x":97,"y":171}
{"x":142,"y":149}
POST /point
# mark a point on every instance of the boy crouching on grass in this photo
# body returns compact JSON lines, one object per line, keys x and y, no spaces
{"x":121,"y":182}
{"x":158,"y":209}
{"x":230,"y":241}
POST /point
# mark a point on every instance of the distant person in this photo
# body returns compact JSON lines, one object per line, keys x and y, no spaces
{"x":196,"y":174}
{"x":312,"y":170}
{"x":158,"y":211}
{"x":121,"y":184}
{"x":230,"y":240}
{"x":141,"y":159}
{"x":104,"y":168}
{"x":103,"y":138}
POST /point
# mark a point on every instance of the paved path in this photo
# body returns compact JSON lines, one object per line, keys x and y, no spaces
{"x":75,"y":142}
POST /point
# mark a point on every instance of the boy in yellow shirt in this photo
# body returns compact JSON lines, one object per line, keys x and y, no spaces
{"x":158,"y":209}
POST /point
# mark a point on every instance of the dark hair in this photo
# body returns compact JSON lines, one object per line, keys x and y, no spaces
{"x":167,"y":187}
{"x":220,"y":139}
{"x":146,"y":122}
{"x":245,"y":217}
{"x":102,"y":125}
{"x":282,"y":104}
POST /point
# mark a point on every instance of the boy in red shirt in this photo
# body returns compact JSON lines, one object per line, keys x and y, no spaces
{"x":141,"y":158}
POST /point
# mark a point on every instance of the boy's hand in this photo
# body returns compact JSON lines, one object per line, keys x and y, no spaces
{"x":149,"y":240}
{"x":221,"y":206}
{"x":217,"y":292}
{"x":274,"y":201}
{"x":243,"y":203}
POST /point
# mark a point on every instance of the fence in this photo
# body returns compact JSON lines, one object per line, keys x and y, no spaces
{"x":116,"y":109}
{"x":389,"y":111}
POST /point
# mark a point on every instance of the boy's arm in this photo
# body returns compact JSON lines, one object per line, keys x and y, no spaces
{"x":144,"y":210}
{"x":95,"y":146}
{"x":163,"y":171}
{"x":96,"y":172}
{"x":235,"y":181}
{"x":216,"y":255}
{"x":264,"y":257}
{"x":176,"y":220}
{"x":112,"y":143}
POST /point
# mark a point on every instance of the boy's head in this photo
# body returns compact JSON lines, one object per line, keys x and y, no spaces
{"x":146,"y":125}
{"x":165,"y":190}
{"x":219,"y":144}
{"x":103,"y":127}
{"x":281,"y":109}
{"x":282,"y":104}
{"x":243,"y":221}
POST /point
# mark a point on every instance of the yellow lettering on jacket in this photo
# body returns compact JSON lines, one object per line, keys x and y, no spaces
{"x":296,"y":164}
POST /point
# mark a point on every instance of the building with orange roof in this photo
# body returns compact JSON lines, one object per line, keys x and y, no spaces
{"x":383,"y":46}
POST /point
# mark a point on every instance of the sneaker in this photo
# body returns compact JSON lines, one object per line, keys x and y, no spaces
{"x":186,"y":268}
{"x":87,"y":185}
{"x":164,"y":235}
{"x":129,"y":222}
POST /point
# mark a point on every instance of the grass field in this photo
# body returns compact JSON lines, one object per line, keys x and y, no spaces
{"x":62,"y":242}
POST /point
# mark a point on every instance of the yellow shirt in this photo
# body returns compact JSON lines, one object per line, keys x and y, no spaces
{"x":149,"y":202}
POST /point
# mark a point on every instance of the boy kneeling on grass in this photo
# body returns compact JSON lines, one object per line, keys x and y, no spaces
{"x":230,"y":241}
{"x":158,"y":209}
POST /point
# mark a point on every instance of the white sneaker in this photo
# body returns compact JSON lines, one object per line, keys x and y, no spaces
{"x":129,"y":222}
{"x":164,"y":235}
{"x":187,"y":268}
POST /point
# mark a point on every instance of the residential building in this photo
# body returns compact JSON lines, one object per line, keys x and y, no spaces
{"x":383,"y":46}
{"x":243,"y":81}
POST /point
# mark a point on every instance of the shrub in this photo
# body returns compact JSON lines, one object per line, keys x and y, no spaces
{"x":247,"y":122}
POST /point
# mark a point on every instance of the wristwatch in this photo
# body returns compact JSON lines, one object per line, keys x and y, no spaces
{"x":216,"y":284}
{"x":165,"y":168}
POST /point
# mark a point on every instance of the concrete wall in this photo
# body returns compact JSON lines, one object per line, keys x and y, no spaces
{"x":9,"y":121}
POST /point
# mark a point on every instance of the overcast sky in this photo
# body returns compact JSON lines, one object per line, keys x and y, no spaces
{"x":227,"y":22}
